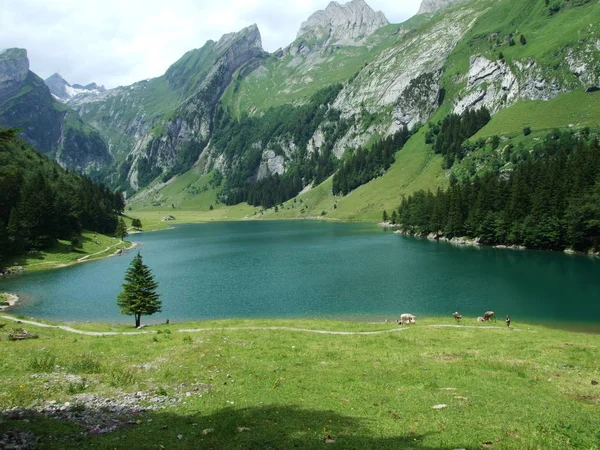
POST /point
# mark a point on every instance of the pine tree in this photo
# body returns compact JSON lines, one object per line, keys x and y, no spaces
{"x":139,"y":296}
{"x":121,"y":230}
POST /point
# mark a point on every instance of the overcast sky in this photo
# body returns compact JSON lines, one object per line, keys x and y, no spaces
{"x":118,"y":42}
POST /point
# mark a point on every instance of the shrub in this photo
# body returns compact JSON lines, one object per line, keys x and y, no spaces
{"x":526,"y":131}
{"x":87,"y":363}
{"x":43,"y":363}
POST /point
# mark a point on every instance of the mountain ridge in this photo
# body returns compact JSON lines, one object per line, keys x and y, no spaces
{"x":53,"y":128}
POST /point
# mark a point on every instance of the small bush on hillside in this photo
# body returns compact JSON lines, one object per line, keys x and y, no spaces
{"x":87,"y":363}
{"x":526,"y":131}
{"x":120,"y":377}
{"x":43,"y":363}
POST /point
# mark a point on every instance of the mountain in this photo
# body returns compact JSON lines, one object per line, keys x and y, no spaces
{"x":341,"y":24}
{"x":161,"y":125}
{"x":432,"y":6}
{"x":230,"y":123}
{"x":63,"y":91}
{"x":51,"y":127}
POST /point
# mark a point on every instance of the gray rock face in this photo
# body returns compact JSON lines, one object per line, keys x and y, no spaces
{"x":14,"y":68}
{"x":46,"y":126}
{"x":432,"y":6}
{"x":404,"y":78}
{"x":63,"y":91}
{"x":495,"y":85}
{"x":338,"y":23}
{"x":187,"y":127}
{"x":192,"y":124}
{"x":58,"y":86}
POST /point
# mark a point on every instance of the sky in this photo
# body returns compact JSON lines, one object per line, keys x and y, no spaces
{"x":119,"y":42}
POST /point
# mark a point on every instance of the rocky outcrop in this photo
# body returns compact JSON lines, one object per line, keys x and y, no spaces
{"x":432,"y":6}
{"x":495,"y":85}
{"x":189,"y":130}
{"x":341,"y":24}
{"x":14,"y":68}
{"x":63,"y":91}
{"x":403,"y":78}
{"x":583,"y":63}
{"x":270,"y":164}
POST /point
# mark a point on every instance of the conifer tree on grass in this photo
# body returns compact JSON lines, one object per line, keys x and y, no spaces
{"x":139,"y":296}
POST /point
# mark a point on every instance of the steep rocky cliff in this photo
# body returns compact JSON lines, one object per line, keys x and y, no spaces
{"x":432,"y":6}
{"x":341,"y":24}
{"x":27,"y":104}
{"x":160,"y":126}
{"x":349,"y":79}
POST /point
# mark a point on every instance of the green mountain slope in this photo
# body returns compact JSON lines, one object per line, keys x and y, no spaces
{"x":259,"y":131}
{"x":50,"y":126}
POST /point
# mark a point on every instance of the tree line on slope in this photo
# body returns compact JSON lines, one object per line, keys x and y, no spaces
{"x":283,"y":129}
{"x":41,"y":202}
{"x":448,"y":136}
{"x":550,"y":201}
{"x":364,"y":165}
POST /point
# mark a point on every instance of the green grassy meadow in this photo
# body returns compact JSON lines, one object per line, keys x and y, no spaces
{"x":526,"y":388}
{"x":93,"y":246}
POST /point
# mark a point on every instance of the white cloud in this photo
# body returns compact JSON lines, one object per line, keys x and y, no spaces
{"x":118,"y":42}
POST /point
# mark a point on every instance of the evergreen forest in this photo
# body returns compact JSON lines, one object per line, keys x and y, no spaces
{"x":448,"y":136}
{"x":550,"y":201}
{"x":276,"y":128}
{"x":41,"y":202}
{"x":364,"y":165}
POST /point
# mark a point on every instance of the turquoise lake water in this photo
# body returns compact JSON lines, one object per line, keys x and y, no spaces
{"x":316,"y":269}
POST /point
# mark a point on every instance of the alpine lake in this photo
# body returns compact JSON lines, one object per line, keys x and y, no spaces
{"x":315,"y":269}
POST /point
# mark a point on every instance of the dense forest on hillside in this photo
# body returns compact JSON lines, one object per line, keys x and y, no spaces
{"x":41,"y":202}
{"x":243,"y":141}
{"x":448,"y":136}
{"x":550,"y":201}
{"x":364,"y":165}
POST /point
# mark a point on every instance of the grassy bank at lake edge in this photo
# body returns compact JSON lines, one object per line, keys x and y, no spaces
{"x":526,"y":388}
{"x":93,"y":246}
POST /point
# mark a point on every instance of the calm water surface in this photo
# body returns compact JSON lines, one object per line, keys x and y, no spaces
{"x":314,"y":269}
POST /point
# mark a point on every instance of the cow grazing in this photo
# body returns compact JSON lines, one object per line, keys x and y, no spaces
{"x":406,"y":319}
{"x":457,"y":316}
{"x":489,"y":315}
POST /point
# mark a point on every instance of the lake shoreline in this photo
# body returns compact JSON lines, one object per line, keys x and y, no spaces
{"x":464,"y":241}
{"x":8,"y":300}
{"x":52,"y":266}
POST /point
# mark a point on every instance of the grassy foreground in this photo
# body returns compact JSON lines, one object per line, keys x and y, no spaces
{"x":529,"y":388}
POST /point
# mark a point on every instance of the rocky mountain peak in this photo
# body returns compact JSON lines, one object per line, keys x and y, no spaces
{"x":63,"y":91}
{"x":58,"y":86}
{"x":14,"y":67}
{"x":432,"y":6}
{"x":342,"y":23}
{"x":250,"y":34}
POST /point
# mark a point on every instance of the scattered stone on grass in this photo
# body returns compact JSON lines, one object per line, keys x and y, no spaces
{"x":18,"y":440}
{"x":208,"y":431}
{"x":242,"y":429}
{"x":100,"y":415}
{"x":447,"y":389}
{"x":460,"y":397}
{"x":440,"y":406}
{"x":328,"y":439}
{"x":19,"y":334}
